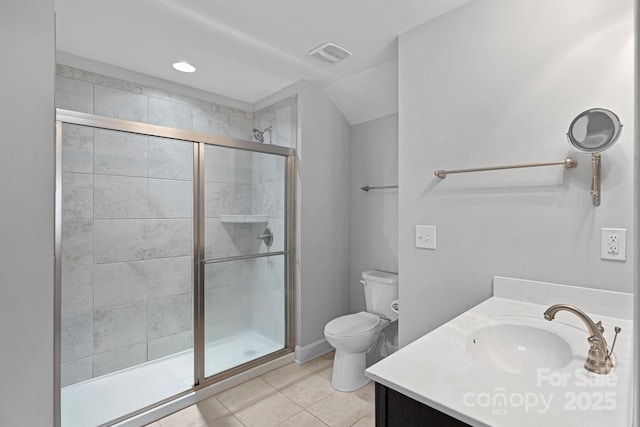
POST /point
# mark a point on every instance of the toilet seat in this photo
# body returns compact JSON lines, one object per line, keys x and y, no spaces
{"x":352,"y":325}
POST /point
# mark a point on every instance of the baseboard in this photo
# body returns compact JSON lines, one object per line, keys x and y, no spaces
{"x":311,"y":351}
{"x":204,"y":393}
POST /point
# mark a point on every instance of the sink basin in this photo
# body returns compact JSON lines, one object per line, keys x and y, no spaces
{"x":518,"y":349}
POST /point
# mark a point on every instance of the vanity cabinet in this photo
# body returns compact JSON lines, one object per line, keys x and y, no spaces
{"x":394,"y":409}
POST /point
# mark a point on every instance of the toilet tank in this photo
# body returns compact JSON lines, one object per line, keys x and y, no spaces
{"x":380,"y":290}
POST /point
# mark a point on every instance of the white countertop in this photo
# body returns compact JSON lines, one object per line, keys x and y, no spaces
{"x":437,"y":370}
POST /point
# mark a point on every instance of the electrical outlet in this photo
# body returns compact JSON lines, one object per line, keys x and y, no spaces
{"x":614,"y":244}
{"x":426,"y":236}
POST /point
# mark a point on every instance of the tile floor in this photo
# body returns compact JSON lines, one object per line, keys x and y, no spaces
{"x":291,"y":396}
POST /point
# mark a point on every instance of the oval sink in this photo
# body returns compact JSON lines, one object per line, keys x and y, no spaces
{"x":518,"y":349}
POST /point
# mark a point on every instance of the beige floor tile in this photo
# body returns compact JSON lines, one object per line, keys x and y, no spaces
{"x":196,"y":415}
{"x":329,"y":355}
{"x":302,"y":419}
{"x":367,"y":393}
{"x":368,"y":420}
{"x":286,"y":375}
{"x":267,"y":411}
{"x":244,"y":393}
{"x":326,"y":373}
{"x":308,"y":390}
{"x":318,"y":364}
{"x":226,"y":421}
{"x":340,"y":409}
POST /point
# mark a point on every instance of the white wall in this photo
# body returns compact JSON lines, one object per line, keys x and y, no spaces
{"x":26,"y":213}
{"x":323,"y":168}
{"x":373,"y":227}
{"x":497,"y":82}
{"x":636,"y":234}
{"x":368,"y":95}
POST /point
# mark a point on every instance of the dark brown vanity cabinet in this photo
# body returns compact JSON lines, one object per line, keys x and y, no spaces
{"x":394,"y":409}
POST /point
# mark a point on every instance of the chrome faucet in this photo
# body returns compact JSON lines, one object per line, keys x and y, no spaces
{"x":599,"y":357}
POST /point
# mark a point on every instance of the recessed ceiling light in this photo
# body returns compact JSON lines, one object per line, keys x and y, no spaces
{"x":185,"y":67}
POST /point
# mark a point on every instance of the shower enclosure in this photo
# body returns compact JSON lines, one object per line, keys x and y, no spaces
{"x":173,"y":263}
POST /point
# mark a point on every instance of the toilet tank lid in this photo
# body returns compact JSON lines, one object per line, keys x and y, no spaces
{"x":381,"y":276}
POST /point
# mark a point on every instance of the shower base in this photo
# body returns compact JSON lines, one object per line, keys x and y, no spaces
{"x":99,"y":400}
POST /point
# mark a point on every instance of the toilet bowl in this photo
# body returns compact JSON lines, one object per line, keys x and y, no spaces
{"x":355,"y":334}
{"x":352,"y":336}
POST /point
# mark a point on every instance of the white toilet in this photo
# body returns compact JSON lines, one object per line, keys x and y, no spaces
{"x":355,"y":334}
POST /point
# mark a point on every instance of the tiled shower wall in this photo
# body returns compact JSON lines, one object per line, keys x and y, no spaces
{"x":126,"y":250}
{"x":267,"y":198}
{"x":282,"y":117}
{"x":228,"y":191}
{"x":127,"y":279}
{"x":127,"y":224}
{"x":88,"y":92}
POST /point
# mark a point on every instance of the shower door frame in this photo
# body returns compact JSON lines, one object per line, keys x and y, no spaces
{"x":200,"y":141}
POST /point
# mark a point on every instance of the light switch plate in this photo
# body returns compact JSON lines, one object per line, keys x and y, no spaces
{"x":426,"y":236}
{"x":614,"y":244}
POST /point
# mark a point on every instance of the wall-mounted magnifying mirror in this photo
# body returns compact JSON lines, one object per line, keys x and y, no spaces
{"x":593,"y":131}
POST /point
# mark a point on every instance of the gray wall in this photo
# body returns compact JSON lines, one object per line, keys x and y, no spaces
{"x":323,"y":162}
{"x":373,"y":225}
{"x":26,"y":213}
{"x":489,"y":84}
{"x":636,"y":234}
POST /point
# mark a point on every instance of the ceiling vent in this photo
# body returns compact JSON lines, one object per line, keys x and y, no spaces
{"x":330,"y":52}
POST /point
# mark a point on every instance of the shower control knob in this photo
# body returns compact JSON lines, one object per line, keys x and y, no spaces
{"x":266,"y":237}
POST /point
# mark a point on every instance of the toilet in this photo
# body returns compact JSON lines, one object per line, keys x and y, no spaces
{"x":354,"y":335}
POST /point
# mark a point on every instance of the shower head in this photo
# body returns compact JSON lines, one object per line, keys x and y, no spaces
{"x":259,"y":134}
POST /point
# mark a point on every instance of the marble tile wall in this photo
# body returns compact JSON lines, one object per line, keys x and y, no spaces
{"x":283,"y":118}
{"x":128,"y":222}
{"x":247,"y":183}
{"x":127,"y":226}
{"x":127,"y":250}
{"x":87,"y":92}
{"x":228,"y":308}
{"x":228,"y":188}
{"x":268,"y":296}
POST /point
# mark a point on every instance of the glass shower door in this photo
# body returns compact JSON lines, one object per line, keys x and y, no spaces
{"x":172,"y":263}
{"x":126,"y":220}
{"x":244,"y":257}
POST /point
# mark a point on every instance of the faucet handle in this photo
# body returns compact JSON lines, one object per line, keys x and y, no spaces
{"x":615,"y":337}
{"x":600,"y":327}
